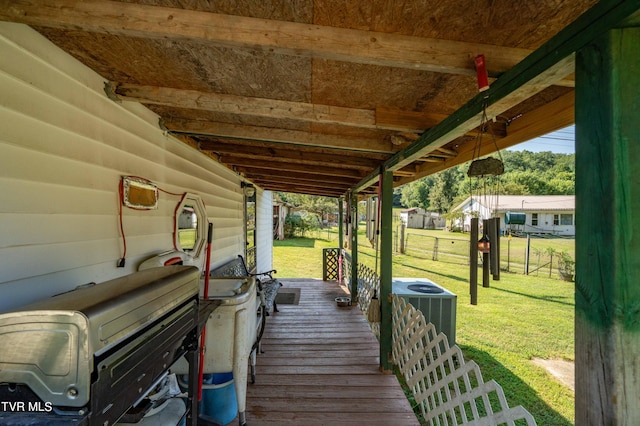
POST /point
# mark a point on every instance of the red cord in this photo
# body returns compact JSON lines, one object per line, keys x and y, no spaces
{"x":124,"y":240}
{"x":170,"y":193}
{"x":121,"y":195}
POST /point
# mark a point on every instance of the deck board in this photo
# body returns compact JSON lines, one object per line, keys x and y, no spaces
{"x":321,"y":366}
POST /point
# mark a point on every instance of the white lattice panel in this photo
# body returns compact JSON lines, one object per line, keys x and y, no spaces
{"x":449,"y":390}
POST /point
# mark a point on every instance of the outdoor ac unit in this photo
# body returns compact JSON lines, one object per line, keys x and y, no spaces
{"x":437,"y":304}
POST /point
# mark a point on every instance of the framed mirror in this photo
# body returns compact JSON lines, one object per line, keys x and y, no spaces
{"x":190,"y":225}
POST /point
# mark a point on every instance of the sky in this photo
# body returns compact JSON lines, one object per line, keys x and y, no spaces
{"x":560,"y":142}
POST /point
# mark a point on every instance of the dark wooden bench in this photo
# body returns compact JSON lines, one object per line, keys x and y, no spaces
{"x":267,"y":291}
{"x":267,"y":285}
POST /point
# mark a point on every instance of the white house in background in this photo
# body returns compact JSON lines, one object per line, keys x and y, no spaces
{"x":532,"y":214}
{"x":419,"y":218}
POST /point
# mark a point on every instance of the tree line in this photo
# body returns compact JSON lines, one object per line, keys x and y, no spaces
{"x":526,"y":173}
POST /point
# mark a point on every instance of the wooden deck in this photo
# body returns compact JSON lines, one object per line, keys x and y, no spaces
{"x":320,"y":366}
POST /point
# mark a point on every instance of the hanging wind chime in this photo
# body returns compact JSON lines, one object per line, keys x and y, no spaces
{"x":483,"y":168}
{"x":373,"y":312}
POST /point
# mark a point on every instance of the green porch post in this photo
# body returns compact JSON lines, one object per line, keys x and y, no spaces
{"x":607,"y":322}
{"x":340,"y":239}
{"x":340,"y":224}
{"x":354,"y":247}
{"x":386,"y":270}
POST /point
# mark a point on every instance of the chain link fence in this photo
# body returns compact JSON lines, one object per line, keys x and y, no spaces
{"x":540,"y":259}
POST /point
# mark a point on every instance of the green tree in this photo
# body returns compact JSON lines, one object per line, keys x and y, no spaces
{"x":416,"y":194}
{"x":397,"y":197}
{"x":299,"y":223}
{"x":321,"y":206}
{"x":443,"y":191}
{"x":535,"y":183}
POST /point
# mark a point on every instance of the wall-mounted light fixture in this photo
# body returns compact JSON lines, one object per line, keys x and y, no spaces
{"x":248,"y":189}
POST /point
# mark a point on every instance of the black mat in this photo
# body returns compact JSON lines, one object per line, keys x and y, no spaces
{"x":288,"y":296}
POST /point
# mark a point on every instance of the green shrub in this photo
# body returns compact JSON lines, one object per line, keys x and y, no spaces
{"x":298,"y":224}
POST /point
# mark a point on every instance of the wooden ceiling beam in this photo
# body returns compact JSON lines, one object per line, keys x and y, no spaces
{"x":310,"y":160}
{"x":403,"y":173}
{"x":311,"y":184}
{"x":241,"y":164}
{"x":270,"y":134}
{"x":380,"y":118}
{"x":243,"y":105}
{"x":300,"y":157}
{"x":282,"y":37}
{"x":542,"y":68}
{"x":514,"y":87}
{"x":300,"y":189}
{"x":297,"y":176}
{"x":420,"y":121}
{"x":548,"y":118}
{"x":285,"y":164}
{"x":236,"y":145}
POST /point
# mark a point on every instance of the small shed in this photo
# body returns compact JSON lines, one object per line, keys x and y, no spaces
{"x":280,"y":211}
{"x":419,"y":218}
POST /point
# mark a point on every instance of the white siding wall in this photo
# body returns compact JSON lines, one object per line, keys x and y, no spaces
{"x":63,"y":148}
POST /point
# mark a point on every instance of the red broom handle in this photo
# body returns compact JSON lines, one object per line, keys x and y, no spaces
{"x":206,"y":296}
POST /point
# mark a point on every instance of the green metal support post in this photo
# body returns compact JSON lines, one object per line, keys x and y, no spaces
{"x":607,"y":321}
{"x":386,"y":270}
{"x":340,"y":239}
{"x":340,"y":224}
{"x":353,"y":205}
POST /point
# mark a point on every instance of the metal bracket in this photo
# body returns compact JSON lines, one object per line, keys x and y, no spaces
{"x":110,"y":90}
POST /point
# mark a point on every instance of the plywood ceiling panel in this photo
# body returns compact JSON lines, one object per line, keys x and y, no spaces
{"x":339,"y":84}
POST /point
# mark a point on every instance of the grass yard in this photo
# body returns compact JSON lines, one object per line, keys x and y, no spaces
{"x":454,"y":247}
{"x":518,"y":318}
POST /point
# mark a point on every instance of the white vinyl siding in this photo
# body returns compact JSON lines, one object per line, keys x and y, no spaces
{"x":63,"y":149}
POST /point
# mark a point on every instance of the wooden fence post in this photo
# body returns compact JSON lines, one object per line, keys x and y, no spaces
{"x":473,"y":261}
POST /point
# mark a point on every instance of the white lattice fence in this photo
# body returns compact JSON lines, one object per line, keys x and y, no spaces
{"x":449,"y":390}
{"x":368,"y":284}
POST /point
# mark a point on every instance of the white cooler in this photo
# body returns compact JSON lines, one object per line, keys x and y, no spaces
{"x":230,"y":333}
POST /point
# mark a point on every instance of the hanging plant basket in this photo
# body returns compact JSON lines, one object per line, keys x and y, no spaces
{"x":489,"y":166}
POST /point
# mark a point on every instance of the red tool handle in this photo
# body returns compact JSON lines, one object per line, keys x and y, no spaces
{"x":206,"y":296}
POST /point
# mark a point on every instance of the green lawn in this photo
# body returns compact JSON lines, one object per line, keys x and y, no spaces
{"x":516,"y":319}
{"x":453,"y":246}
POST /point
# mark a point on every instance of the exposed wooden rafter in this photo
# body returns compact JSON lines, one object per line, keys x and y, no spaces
{"x":548,"y":118}
{"x":233,"y":104}
{"x":245,"y":164}
{"x":291,"y":38}
{"x":227,"y":153}
{"x":285,"y":136}
{"x":519,"y":84}
{"x":380,"y":118}
{"x":207,"y":143}
{"x":299,"y":188}
{"x":294,"y":176}
{"x":544,"y":67}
